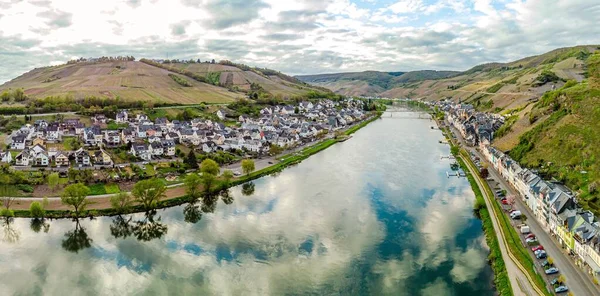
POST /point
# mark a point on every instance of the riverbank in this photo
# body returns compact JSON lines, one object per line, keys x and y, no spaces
{"x":523,"y":278}
{"x":495,"y":258}
{"x":176,"y":195}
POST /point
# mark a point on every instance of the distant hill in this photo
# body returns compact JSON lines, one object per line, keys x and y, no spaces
{"x":370,"y":83}
{"x":145,"y":80}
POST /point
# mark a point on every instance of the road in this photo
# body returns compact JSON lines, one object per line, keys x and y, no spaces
{"x":97,"y":166}
{"x":579,"y":283}
{"x":519,"y":282}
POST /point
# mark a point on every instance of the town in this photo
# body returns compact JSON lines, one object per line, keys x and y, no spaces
{"x":553,"y":205}
{"x":34,"y":145}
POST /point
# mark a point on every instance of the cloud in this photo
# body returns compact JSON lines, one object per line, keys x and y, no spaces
{"x":406,"y":6}
{"x":228,"y":13}
{"x":326,"y":35}
{"x":56,"y":18}
{"x":179,"y":28}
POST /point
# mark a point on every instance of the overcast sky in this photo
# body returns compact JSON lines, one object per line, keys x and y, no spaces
{"x":294,"y":36}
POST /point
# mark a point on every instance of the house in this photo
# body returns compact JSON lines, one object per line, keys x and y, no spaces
{"x":6,"y":156}
{"x":221,"y":113}
{"x":161,"y":121}
{"x":41,"y":159}
{"x":61,"y":159}
{"x":141,"y":117}
{"x":112,"y":138}
{"x":156,"y":148}
{"x":18,"y":142}
{"x":168,"y":147}
{"x":37,"y":149}
{"x":122,"y":117}
{"x":102,"y":158}
{"x":89,"y":138}
{"x":23,"y":158}
{"x":82,"y":157}
{"x":128,"y":135}
{"x":141,"y":151}
{"x":53,"y":133}
{"x":172,"y":136}
{"x":99,"y":118}
{"x":38,"y":141}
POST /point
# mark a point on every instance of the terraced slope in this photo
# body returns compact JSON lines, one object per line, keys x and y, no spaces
{"x":129,"y":80}
{"x":234,"y":77}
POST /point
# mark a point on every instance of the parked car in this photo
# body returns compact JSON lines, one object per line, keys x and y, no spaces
{"x":513,"y":214}
{"x":551,"y":270}
{"x":561,"y":289}
{"x":531,"y":235}
{"x":536,"y":248}
{"x":541,"y":255}
{"x":555,"y":281}
{"x":505,"y":202}
{"x":545,"y":263}
{"x":531,"y":240}
{"x":539,"y":252}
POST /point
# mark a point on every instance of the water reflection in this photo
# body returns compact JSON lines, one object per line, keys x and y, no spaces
{"x":76,"y":239}
{"x":149,"y":228}
{"x":145,"y":229}
{"x":38,"y":224}
{"x":374,"y":215}
{"x":248,"y":188}
{"x":11,"y":234}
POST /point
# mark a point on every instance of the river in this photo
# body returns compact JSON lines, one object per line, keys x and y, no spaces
{"x":375,"y":215}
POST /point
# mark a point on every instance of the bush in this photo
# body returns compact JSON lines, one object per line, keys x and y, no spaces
{"x":181,"y":81}
{"x":7,"y":213}
{"x":25,"y":188}
{"x":36,"y":209}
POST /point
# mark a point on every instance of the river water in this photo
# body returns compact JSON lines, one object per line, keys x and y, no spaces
{"x":375,"y":215}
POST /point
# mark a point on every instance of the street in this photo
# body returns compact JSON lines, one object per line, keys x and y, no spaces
{"x":578,"y":282}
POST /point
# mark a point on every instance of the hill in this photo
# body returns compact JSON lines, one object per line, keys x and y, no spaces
{"x":239,"y":77}
{"x":552,"y":105}
{"x":170,"y":82}
{"x":370,"y":83}
{"x":129,"y":80}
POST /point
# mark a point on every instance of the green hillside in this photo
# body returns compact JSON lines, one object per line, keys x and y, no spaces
{"x":564,"y":145}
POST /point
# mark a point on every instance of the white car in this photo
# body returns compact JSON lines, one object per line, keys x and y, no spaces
{"x":561,"y":289}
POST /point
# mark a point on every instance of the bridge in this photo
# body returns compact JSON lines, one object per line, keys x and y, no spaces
{"x":402,"y":113}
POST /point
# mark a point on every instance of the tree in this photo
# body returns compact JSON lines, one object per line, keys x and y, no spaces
{"x":210,"y":169}
{"x":454,"y":150}
{"x":550,"y":261}
{"x":53,"y":181}
{"x":149,"y":192}
{"x":192,"y":186}
{"x":5,"y":96}
{"x":247,"y":166}
{"x":191,"y":160}
{"x":275,"y":149}
{"x":209,"y":166}
{"x":227,"y":176}
{"x":75,"y":196}
{"x":561,"y":279}
{"x":37,"y":210}
{"x":121,"y":202}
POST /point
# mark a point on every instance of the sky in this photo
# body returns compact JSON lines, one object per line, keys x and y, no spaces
{"x":294,"y":36}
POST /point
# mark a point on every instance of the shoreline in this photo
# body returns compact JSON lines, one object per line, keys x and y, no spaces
{"x":502,"y":283}
{"x":21,"y":208}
